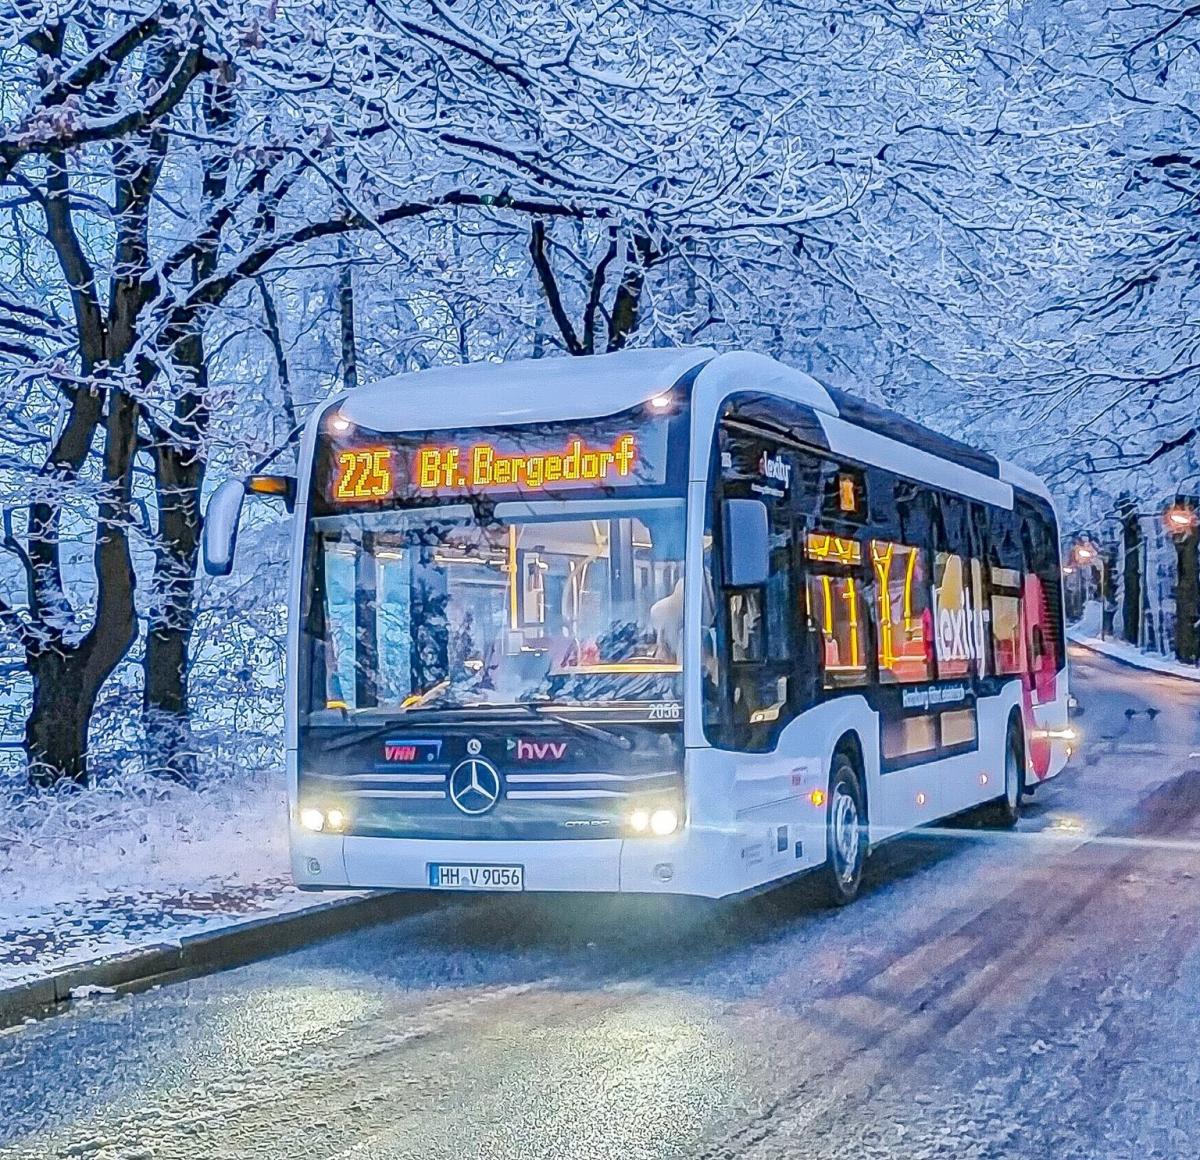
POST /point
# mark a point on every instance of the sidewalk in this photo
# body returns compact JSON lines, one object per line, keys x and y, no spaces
{"x":1128,"y":654}
{"x":161,"y":940}
{"x":41,"y":940}
{"x":126,"y":882}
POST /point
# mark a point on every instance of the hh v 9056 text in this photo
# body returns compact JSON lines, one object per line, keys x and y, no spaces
{"x":658,"y":621}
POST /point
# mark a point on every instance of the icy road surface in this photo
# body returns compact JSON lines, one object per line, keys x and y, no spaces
{"x":1027,"y":995}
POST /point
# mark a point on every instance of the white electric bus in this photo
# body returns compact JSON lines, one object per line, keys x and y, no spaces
{"x":658,"y":621}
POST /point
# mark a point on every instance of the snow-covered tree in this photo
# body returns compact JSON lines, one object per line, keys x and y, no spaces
{"x":213,"y":214}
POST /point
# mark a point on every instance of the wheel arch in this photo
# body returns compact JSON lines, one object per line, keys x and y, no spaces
{"x":1017,"y":727}
{"x":850,"y":744}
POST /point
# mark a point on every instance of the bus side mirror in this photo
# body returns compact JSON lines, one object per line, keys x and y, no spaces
{"x":218,"y":538}
{"x":747,"y":543}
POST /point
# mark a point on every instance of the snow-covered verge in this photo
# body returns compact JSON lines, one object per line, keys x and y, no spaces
{"x":1086,"y":632}
{"x":140,"y":831}
{"x":1130,"y":654}
{"x":135,"y":861}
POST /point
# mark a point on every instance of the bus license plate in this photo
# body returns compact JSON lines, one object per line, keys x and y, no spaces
{"x":460,"y":876}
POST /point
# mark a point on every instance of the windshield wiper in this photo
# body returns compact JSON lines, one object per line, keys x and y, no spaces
{"x":398,"y":721}
{"x":364,"y":735}
{"x":583,"y":727}
{"x":361,"y":735}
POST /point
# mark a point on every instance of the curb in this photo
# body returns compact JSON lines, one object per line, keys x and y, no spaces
{"x":205,"y":953}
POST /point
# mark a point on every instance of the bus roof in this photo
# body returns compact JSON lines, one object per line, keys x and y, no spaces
{"x":543,"y":390}
{"x":560,"y":388}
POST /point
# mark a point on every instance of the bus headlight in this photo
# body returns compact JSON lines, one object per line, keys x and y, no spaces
{"x":312,"y":819}
{"x":332,"y":820}
{"x":664,"y":822}
{"x":652,"y":819}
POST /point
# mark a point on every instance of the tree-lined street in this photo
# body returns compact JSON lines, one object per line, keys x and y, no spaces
{"x":638,"y":422}
{"x":1021,"y":994}
{"x":214,"y":216}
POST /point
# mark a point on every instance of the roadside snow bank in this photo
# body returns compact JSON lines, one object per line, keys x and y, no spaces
{"x":139,"y":832}
{"x":1130,"y":654}
{"x":133,"y":862}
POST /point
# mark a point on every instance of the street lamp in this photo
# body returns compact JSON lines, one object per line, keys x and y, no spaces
{"x":1179,"y":519}
{"x":1085,"y":555}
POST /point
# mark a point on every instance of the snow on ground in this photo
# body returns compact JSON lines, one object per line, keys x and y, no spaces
{"x":136,"y":861}
{"x":1130,"y":654}
{"x":992,"y":995}
{"x":1086,"y":631}
{"x":1089,"y":621}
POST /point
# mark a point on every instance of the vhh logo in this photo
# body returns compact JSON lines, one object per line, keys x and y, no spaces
{"x":540,"y":750}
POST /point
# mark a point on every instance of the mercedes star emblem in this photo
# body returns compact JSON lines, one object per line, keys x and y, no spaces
{"x":474,"y":785}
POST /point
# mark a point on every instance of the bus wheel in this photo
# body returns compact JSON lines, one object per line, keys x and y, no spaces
{"x":845,"y":833}
{"x":1004,"y":812}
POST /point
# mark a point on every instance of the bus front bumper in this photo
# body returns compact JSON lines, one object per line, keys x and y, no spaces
{"x":689,"y":862}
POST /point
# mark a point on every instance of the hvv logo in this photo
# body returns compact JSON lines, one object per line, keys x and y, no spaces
{"x":538,"y":750}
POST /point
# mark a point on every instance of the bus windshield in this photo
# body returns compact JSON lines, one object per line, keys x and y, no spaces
{"x":562,"y":602}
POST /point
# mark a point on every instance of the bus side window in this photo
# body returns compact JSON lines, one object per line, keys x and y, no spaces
{"x":709,"y":653}
{"x":762,"y":640}
{"x":838,"y":617}
{"x":746,"y":625}
{"x":956,"y":592}
{"x":1042,"y":665}
{"x":953,"y":615}
{"x":749,"y":637}
{"x":904,"y":615}
{"x":714,"y":675}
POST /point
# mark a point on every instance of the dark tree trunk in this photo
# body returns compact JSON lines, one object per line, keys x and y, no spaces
{"x":1108,"y":590}
{"x":282,"y":371}
{"x":179,"y":475}
{"x":178,"y":478}
{"x":56,"y":729}
{"x":627,"y":305}
{"x":346,"y":319}
{"x":624,"y":317}
{"x":1187,"y":596}
{"x":67,"y":678}
{"x":1131,"y":608}
{"x":346,"y":299}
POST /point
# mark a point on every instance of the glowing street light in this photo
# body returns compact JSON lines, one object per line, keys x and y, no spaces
{"x":1179,"y":519}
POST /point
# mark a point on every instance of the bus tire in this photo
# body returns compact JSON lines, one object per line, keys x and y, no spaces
{"x":845,"y":833}
{"x":1005,"y":811}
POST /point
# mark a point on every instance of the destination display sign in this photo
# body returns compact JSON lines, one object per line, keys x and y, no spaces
{"x":623,"y":453}
{"x":482,"y":466}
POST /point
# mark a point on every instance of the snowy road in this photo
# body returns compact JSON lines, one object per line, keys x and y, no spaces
{"x":1024,"y":995}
